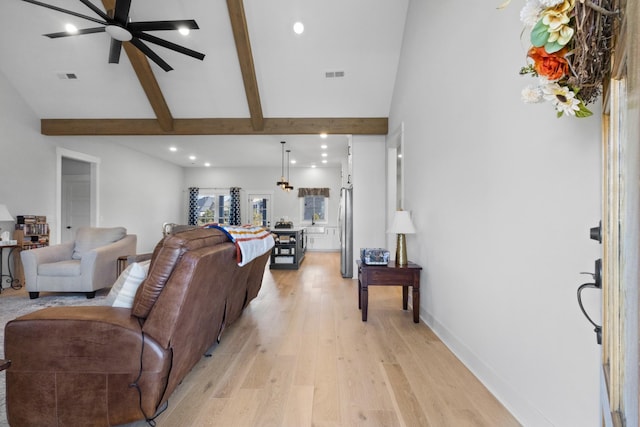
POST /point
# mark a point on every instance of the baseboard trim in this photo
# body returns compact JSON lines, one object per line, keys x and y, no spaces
{"x":515,"y":403}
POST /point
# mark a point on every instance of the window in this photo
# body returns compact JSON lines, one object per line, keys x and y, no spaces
{"x":314,"y":209}
{"x":213,"y":207}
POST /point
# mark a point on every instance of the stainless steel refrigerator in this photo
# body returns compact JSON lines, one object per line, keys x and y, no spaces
{"x":345,"y":220}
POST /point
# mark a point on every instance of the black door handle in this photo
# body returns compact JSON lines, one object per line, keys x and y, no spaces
{"x":597,"y":284}
{"x":68,"y":227}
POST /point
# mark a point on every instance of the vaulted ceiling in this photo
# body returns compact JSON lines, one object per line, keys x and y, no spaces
{"x":259,"y":82}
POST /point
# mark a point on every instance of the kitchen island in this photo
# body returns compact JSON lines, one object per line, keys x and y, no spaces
{"x":288,"y":252}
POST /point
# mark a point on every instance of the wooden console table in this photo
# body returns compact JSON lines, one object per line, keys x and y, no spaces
{"x":389,"y":275}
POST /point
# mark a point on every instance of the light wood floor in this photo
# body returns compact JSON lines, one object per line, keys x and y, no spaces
{"x":301,"y":356}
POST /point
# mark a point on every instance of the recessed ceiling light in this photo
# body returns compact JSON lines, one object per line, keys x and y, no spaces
{"x":313,"y":166}
{"x":324,"y":154}
{"x":71,"y":29}
{"x":174,"y":149}
{"x":323,"y":146}
{"x":207,"y":164}
{"x":293,"y":161}
{"x":324,"y":161}
{"x":298,"y":28}
{"x":192,"y":157}
{"x":184,"y":31}
{"x":323,"y":135}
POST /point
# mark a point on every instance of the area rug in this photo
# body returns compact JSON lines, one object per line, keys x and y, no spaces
{"x":16,"y":306}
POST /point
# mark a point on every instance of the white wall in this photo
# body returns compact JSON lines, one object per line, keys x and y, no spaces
{"x":136,"y":191}
{"x":369,"y":187}
{"x":502,"y":195}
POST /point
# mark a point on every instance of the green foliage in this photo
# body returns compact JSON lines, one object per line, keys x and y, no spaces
{"x":539,"y":34}
{"x":529,"y":69}
{"x":552,"y":47}
{"x":583,"y":111}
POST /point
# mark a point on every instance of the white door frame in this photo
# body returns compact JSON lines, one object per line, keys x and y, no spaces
{"x":395,"y":178}
{"x":95,"y":208}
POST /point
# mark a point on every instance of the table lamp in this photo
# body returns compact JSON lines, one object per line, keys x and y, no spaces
{"x":5,"y":216}
{"x":401,"y":225}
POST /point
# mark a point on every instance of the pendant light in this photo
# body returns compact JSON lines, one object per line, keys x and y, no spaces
{"x":288,"y":187}
{"x":283,"y":182}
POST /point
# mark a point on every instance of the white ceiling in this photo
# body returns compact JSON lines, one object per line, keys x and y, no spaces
{"x":360,"y":37}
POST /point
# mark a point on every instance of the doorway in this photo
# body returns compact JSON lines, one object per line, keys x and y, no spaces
{"x":77,"y":200}
{"x":259,"y":208}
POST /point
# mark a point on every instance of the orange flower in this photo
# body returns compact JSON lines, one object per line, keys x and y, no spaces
{"x":553,"y":66}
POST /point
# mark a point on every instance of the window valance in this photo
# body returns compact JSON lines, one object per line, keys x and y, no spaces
{"x":302,"y":192}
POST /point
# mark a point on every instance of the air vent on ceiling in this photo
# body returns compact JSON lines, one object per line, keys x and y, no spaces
{"x":333,"y":74}
{"x":67,"y":76}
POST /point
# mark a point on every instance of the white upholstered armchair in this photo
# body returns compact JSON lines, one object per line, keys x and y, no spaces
{"x":84,"y":265}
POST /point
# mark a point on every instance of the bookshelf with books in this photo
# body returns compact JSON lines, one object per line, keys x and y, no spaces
{"x":32,"y":231}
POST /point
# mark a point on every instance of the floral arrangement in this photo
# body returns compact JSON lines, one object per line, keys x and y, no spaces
{"x":570,"y":54}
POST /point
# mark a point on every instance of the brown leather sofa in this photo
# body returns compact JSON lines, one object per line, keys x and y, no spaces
{"x":102,"y":366}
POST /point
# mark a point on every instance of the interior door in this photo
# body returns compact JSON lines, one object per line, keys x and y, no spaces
{"x":76,"y":204}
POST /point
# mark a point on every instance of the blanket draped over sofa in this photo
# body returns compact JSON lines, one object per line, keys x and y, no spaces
{"x":103,"y":366}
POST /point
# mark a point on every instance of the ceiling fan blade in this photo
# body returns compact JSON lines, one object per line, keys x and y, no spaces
{"x":96,"y":9}
{"x":114,"y":51}
{"x":121,"y":14}
{"x":163,"y":25}
{"x":151,"y":54}
{"x":169,"y":45}
{"x":68,"y":12}
{"x":79,"y":33}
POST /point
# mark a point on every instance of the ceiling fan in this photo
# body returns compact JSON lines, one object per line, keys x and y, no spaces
{"x":120,"y":30}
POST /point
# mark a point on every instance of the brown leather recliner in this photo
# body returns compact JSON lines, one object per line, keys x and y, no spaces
{"x":101,"y":366}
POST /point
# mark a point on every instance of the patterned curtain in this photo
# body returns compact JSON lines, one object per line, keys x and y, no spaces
{"x":302,"y":192}
{"x":234,"y":214}
{"x":193,"y":205}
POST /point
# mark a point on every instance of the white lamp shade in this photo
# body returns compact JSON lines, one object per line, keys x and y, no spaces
{"x":4,"y":214}
{"x":402,"y":223}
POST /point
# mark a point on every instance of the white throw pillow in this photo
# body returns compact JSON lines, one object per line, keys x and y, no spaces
{"x":124,"y":289}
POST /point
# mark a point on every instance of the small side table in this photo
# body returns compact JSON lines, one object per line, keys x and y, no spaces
{"x":389,"y":275}
{"x":10,"y":279}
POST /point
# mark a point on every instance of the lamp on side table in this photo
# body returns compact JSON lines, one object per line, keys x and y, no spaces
{"x":5,"y":216}
{"x":402,"y":225}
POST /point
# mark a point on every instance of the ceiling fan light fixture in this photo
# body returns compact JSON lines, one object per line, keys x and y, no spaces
{"x":118,"y":33}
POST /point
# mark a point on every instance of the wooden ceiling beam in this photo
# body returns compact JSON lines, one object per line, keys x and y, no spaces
{"x":245,"y":57}
{"x":147,"y":79}
{"x":240,"y":126}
